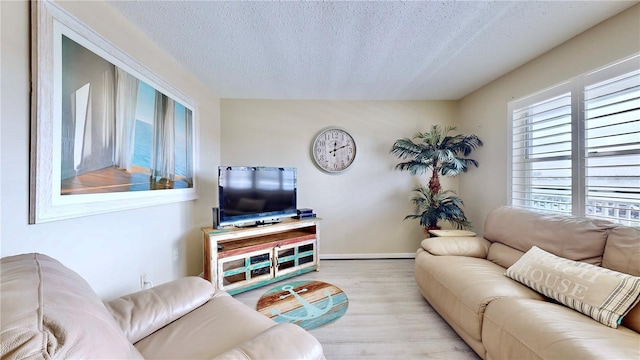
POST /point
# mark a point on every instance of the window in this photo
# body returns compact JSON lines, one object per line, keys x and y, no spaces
{"x":575,"y":148}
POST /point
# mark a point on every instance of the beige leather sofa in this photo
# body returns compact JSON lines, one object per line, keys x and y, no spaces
{"x":50,"y":312}
{"x":463,"y":278}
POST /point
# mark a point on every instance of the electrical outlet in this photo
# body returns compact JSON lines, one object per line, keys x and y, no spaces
{"x":143,"y":280}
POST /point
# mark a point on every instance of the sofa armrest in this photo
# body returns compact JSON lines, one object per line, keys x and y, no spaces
{"x":141,"y":313}
{"x":282,"y":341}
{"x":457,"y":246}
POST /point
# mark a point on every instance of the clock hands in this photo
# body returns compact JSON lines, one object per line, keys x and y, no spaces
{"x":336,"y":149}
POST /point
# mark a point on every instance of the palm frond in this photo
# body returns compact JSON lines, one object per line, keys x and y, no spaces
{"x":443,"y":206}
{"x":414,"y":167}
{"x":405,"y":148}
{"x":457,"y":166}
{"x":445,"y":153}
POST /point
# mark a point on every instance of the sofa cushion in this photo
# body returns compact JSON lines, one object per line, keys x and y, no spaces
{"x":528,"y":329}
{"x":282,"y":341}
{"x":461,"y":287}
{"x":503,"y":255}
{"x":457,"y":246}
{"x":632,"y":319}
{"x":570,"y":237}
{"x":603,"y":294}
{"x":208,"y":331}
{"x":622,"y":251}
{"x":49,"y":311}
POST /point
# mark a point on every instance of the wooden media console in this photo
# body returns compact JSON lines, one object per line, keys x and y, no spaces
{"x":257,"y":256}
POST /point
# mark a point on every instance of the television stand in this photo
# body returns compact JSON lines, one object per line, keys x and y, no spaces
{"x":252,"y":257}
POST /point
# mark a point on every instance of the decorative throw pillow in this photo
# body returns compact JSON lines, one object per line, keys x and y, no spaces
{"x":603,"y":294}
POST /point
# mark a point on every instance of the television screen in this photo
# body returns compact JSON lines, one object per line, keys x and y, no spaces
{"x":256,"y":194}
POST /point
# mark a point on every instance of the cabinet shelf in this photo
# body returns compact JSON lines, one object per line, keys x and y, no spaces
{"x":255,"y":257}
{"x":233,"y":247}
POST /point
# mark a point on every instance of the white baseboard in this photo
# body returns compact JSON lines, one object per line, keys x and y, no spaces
{"x":367,"y":256}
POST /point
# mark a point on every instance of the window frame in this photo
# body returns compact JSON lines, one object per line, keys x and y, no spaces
{"x":576,"y":87}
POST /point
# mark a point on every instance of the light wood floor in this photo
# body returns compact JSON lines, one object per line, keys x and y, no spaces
{"x":387,"y":317}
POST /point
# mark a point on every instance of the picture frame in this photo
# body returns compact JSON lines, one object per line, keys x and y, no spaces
{"x":107,"y":134}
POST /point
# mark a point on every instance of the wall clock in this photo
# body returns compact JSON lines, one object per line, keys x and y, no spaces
{"x":333,"y":150}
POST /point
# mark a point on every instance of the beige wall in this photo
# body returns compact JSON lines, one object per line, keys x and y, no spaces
{"x":362,"y":208}
{"x":109,"y":251}
{"x":485,"y":111}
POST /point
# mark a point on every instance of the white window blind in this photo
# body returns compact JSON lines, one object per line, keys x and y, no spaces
{"x":612,"y":150}
{"x":541,"y":177}
{"x":575,"y":148}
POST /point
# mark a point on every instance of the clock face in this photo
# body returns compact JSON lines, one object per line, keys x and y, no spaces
{"x":333,"y":150}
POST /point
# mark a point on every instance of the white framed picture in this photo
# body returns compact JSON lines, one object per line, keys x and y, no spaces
{"x":107,"y":134}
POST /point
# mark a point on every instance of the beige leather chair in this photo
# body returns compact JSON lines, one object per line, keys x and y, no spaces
{"x":49,"y":311}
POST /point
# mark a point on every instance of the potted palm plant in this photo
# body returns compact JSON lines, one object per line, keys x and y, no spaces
{"x":443,"y":155}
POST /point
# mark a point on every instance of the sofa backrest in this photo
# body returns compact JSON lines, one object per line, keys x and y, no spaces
{"x":50,"y":312}
{"x":622,"y":251}
{"x":513,"y":231}
{"x":574,"y":238}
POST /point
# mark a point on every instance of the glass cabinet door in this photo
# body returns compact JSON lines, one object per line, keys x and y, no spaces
{"x":293,"y":257}
{"x":244,"y":269}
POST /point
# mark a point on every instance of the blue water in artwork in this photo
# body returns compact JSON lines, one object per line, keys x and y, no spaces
{"x":142,"y":147}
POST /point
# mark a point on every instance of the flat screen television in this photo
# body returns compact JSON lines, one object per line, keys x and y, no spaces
{"x":256,"y":195}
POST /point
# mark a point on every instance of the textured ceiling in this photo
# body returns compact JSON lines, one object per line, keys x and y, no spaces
{"x":359,"y":50}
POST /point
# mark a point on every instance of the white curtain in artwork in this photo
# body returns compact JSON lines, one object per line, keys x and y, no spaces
{"x":107,"y":126}
{"x":188,"y":119}
{"x":80,"y":113}
{"x":163,"y":146}
{"x":93,"y":117}
{"x":126,"y":101}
